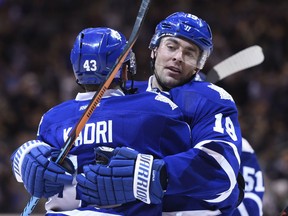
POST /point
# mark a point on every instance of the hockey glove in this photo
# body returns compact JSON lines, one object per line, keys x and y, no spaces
{"x":32,"y":165}
{"x":128,"y":176}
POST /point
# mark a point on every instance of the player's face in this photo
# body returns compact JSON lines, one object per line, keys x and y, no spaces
{"x":175,"y":61}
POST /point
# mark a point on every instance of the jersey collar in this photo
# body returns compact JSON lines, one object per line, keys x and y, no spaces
{"x":81,"y":96}
{"x":153,"y":89}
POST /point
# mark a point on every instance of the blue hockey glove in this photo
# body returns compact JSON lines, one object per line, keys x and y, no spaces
{"x":41,"y":177}
{"x":128,"y":176}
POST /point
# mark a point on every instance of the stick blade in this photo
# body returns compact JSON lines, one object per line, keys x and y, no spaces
{"x":242,"y":60}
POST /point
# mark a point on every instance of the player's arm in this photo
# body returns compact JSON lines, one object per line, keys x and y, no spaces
{"x":46,"y":130}
{"x":212,"y":165}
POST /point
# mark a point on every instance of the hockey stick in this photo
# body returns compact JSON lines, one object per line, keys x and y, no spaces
{"x":97,"y":97}
{"x":242,"y":60}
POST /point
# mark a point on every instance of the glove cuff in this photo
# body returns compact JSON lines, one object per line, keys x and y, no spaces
{"x":20,"y":154}
{"x":142,"y":176}
{"x":159,"y":181}
{"x":163,"y":173}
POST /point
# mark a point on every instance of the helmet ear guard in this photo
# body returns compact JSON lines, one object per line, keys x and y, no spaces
{"x":132,"y":64}
{"x":132,"y":68}
{"x":188,"y":27}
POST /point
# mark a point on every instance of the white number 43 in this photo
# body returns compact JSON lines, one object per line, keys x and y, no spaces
{"x":225,"y":126}
{"x":90,"y":65}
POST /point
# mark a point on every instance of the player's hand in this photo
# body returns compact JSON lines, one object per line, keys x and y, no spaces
{"x":127,"y":169}
{"x":40,"y":175}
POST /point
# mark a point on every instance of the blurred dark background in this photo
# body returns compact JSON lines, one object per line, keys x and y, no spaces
{"x":36,"y":37}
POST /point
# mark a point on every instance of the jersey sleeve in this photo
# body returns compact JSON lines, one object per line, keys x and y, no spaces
{"x":49,"y":128}
{"x":44,"y":131}
{"x":209,"y":169}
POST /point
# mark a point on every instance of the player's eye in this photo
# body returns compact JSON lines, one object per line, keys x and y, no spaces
{"x":190,"y":54}
{"x":171,"y":46}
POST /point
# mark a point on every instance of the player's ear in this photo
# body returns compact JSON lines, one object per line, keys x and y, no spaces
{"x":153,"y":53}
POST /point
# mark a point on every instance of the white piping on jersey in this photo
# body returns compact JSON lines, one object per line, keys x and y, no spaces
{"x":225,"y":166}
{"x":229,"y":143}
{"x":80,"y":213}
{"x":257,"y":200}
{"x":82,"y":96}
{"x":246,"y":147}
{"x":242,"y":210}
{"x":193,"y":212}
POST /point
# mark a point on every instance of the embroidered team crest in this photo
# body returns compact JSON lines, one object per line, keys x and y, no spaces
{"x":223,"y":94}
{"x":164,"y":99}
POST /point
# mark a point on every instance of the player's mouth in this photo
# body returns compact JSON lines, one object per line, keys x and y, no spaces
{"x":173,"y":70}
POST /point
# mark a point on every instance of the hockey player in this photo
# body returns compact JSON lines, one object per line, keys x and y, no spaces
{"x":198,"y":34}
{"x":202,"y":178}
{"x":148,"y":122}
{"x":252,"y":203}
{"x":180,"y":47}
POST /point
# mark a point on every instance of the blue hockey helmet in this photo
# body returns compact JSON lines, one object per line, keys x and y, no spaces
{"x":188,"y":27}
{"x":95,"y":52}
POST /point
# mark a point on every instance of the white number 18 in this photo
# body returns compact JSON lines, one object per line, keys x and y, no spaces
{"x":227,"y":124}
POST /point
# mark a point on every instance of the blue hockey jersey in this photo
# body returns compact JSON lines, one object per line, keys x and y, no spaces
{"x":216,"y":138}
{"x":148,"y":122}
{"x":254,"y":183}
{"x":254,"y":189}
{"x":208,"y":186}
